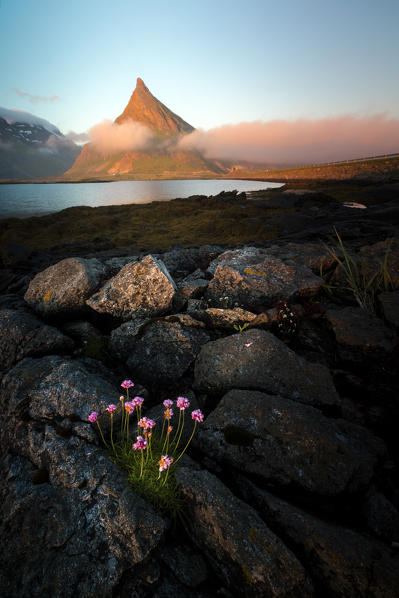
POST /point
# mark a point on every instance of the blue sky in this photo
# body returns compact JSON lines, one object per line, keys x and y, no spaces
{"x":211,"y":62}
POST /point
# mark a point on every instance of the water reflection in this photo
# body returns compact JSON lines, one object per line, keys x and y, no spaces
{"x":40,"y":199}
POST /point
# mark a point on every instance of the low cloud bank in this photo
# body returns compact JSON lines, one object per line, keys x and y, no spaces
{"x":109,"y":137}
{"x":78,"y":138}
{"x":302,"y":141}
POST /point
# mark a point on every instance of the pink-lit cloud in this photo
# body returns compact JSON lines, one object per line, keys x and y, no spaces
{"x":302,"y":141}
{"x":109,"y":137}
{"x":35,"y":99}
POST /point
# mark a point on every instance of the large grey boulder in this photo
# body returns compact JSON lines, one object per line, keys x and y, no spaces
{"x":239,"y":546}
{"x":140,"y":289}
{"x":70,"y":523}
{"x":164,"y":350}
{"x":342,"y":562}
{"x":254,"y":279}
{"x":256,"y":359}
{"x":24,"y":335}
{"x":289,"y":443}
{"x":62,"y":289}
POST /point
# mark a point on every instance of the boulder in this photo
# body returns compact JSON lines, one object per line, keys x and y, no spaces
{"x":186,"y":564}
{"x":253,"y":278}
{"x":24,"y":335}
{"x":342,"y":562}
{"x":288,"y":443}
{"x":70,"y":525}
{"x":56,"y":388}
{"x":182,"y":261}
{"x":384,"y":252}
{"x":123,"y":339}
{"x":140,"y":289}
{"x":256,"y":359}
{"x":314,"y":255}
{"x":239,"y":546}
{"x":164,"y":350}
{"x":62,"y":289}
{"x":62,"y":493}
{"x":389,"y":303}
{"x":381,"y":516}
{"x":360,"y":335}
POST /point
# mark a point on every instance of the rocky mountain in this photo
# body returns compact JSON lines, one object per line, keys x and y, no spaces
{"x":143,"y":107}
{"x":32,"y":147}
{"x":161,"y":157}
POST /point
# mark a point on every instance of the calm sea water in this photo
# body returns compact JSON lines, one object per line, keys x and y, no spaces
{"x":39,"y":199}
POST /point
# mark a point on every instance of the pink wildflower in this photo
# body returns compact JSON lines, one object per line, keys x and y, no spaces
{"x":141,"y":444}
{"x":165,"y":462}
{"x":129,"y":407}
{"x":168,"y":413}
{"x":93,"y":417}
{"x":121,"y":398}
{"x":170,"y":428}
{"x":150,"y":423}
{"x":167,"y":403}
{"x":127,"y":384}
{"x":111,"y":409}
{"x":197,"y":415}
{"x":182,"y":403}
{"x":143,"y":422}
{"x":137,"y":401}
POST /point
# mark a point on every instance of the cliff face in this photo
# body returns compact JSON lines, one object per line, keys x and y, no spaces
{"x":162,"y":159}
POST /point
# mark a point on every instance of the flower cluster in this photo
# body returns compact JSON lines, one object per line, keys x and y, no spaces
{"x":141,"y":452}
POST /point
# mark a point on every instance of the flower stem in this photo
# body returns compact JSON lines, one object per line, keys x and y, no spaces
{"x":102,"y":436}
{"x":185,"y":448}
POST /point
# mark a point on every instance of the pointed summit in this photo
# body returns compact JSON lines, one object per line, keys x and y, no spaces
{"x":143,"y":107}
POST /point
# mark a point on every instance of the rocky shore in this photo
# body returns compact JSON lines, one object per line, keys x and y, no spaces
{"x":290,"y":487}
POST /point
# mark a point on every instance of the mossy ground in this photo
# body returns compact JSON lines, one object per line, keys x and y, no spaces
{"x":158,"y":224}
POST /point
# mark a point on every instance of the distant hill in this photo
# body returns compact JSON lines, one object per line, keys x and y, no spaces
{"x":161,"y":160}
{"x":32,"y":147}
{"x":377,"y":167}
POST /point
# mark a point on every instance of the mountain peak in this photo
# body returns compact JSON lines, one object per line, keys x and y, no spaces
{"x":143,"y":107}
{"x":141,"y":85}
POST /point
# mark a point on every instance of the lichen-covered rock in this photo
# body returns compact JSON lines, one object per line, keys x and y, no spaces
{"x":140,"y":289}
{"x":62,"y":289}
{"x":239,"y":546}
{"x":342,"y":562}
{"x":59,"y":389}
{"x":253,"y":278}
{"x":389,"y":303}
{"x":256,"y":359}
{"x":229,"y":318}
{"x":75,"y":532}
{"x":70,"y":523}
{"x":164,"y":350}
{"x":289,"y":443}
{"x":360,"y":335}
{"x":23,"y":335}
